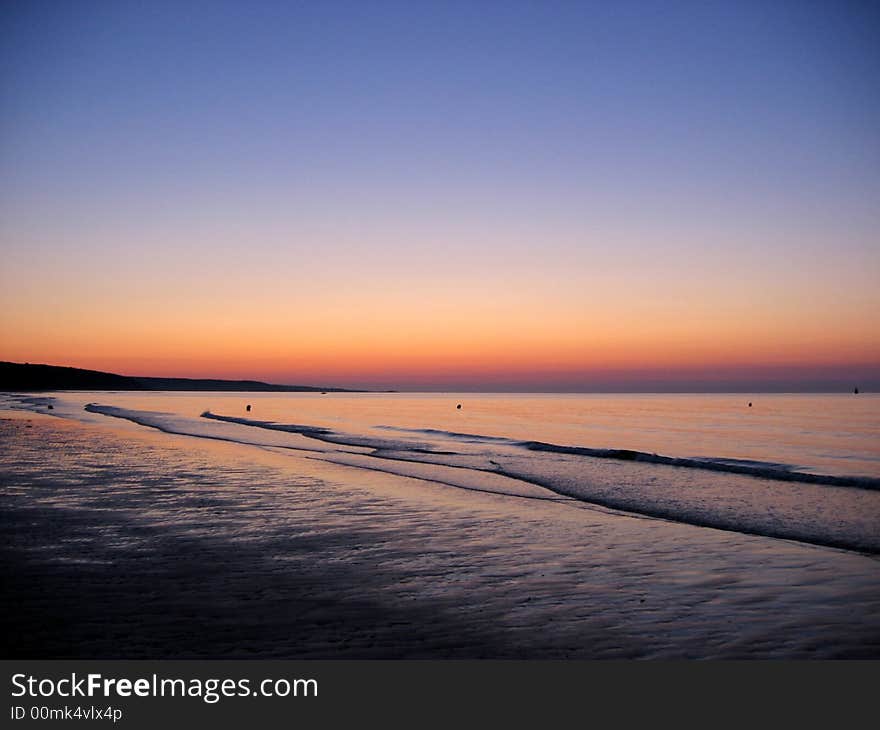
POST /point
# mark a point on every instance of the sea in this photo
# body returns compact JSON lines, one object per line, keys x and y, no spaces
{"x":440,"y":525}
{"x":804,"y":467}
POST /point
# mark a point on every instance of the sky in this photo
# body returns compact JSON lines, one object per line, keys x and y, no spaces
{"x":444,"y":195}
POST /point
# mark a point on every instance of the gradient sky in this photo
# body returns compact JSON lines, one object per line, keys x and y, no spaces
{"x":448,"y":195}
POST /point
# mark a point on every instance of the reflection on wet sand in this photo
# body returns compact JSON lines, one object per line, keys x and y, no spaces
{"x":130,"y":544}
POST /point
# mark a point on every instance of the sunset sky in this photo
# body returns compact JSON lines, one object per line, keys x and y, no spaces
{"x":446,"y":195}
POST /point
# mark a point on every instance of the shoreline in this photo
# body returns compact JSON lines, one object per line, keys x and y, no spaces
{"x":129,"y":544}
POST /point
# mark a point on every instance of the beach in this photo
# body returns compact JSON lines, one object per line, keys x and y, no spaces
{"x":515,"y":359}
{"x":126,"y":541}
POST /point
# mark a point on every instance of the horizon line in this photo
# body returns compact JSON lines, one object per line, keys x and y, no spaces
{"x":729,"y":383}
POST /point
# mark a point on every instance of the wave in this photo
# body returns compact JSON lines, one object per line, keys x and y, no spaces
{"x":313,"y":431}
{"x":17,"y":402}
{"x":835,"y":519}
{"x":749,"y":467}
{"x":466,"y":437}
{"x":321,"y":434}
{"x":739,"y":495}
{"x":172,"y":424}
{"x":745,"y":496}
{"x":760,"y":469}
{"x":470,"y":479}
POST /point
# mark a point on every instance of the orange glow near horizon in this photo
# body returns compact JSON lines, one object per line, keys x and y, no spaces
{"x":405,"y":298}
{"x":439,"y":318}
{"x":444,"y":337}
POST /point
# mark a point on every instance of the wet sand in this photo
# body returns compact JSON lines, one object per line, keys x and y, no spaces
{"x":129,"y":544}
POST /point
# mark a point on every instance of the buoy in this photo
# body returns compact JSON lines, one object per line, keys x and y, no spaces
{"x":248,"y":407}
{"x":459,"y":406}
{"x":750,"y":404}
{"x":50,"y":407}
{"x":856,"y":391}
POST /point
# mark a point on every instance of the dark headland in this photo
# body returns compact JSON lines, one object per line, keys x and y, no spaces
{"x":27,"y":377}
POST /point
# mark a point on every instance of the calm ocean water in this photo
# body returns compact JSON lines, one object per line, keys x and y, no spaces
{"x":797,"y":466}
{"x":825,"y":433}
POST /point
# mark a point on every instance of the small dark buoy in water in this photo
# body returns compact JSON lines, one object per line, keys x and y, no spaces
{"x":248,"y":408}
{"x":50,"y":407}
{"x":323,"y":392}
{"x":856,"y":391}
{"x":458,"y":406}
{"x":750,"y":404}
